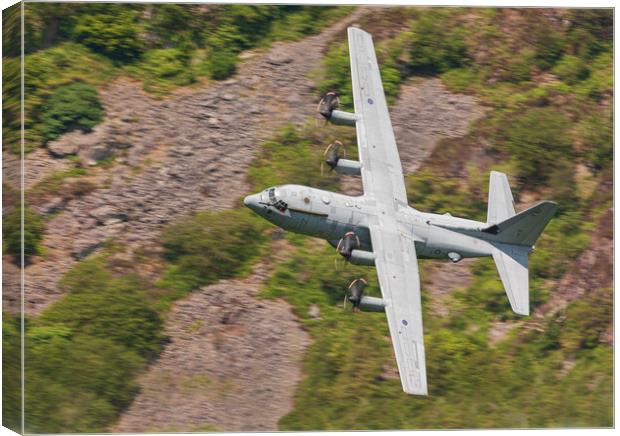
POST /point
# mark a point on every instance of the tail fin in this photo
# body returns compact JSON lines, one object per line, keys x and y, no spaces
{"x":511,"y":262}
{"x":501,"y":205}
{"x":513,"y":237}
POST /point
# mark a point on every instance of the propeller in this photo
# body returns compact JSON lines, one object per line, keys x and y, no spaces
{"x":333,"y":154}
{"x":328,"y":103}
{"x":354,"y":293}
{"x":349,"y":242}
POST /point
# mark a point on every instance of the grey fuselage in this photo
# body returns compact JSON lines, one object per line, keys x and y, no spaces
{"x":329,"y":215}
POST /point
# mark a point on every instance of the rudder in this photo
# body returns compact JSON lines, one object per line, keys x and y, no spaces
{"x":501,"y":204}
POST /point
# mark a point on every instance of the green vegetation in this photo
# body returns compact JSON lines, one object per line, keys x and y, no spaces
{"x":535,"y":139}
{"x":113,"y":30}
{"x":11,"y":372}
{"x":294,"y":157}
{"x":163,"y":69}
{"x":596,"y":133}
{"x":47,"y":71}
{"x":435,"y":47}
{"x":209,"y":246}
{"x":83,"y":352}
{"x":11,"y":230}
{"x":74,"y":106}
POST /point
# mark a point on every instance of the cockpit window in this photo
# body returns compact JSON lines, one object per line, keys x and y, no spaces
{"x":273,"y":200}
{"x":280,"y":205}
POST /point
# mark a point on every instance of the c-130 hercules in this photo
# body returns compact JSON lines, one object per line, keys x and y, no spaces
{"x":379,"y":227}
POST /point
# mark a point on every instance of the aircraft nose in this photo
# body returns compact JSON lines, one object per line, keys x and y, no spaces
{"x":251,"y":201}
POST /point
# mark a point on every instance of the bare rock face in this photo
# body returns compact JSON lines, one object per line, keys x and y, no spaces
{"x":96,"y":153}
{"x":107,"y":215}
{"x":426,"y":112}
{"x":67,"y":145}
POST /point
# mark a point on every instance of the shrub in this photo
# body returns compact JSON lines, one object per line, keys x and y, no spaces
{"x":292,"y":158}
{"x":571,"y":69}
{"x":600,"y":81}
{"x":85,"y":351}
{"x":11,"y":372}
{"x":99,"y":305}
{"x":163,"y":69}
{"x":221,"y":63}
{"x":33,"y":232}
{"x":113,"y":30}
{"x":518,"y":67}
{"x":536,"y":139}
{"x":209,"y":246}
{"x":76,"y":383}
{"x":590,"y":31}
{"x":74,"y":106}
{"x":337,"y":74}
{"x":175,"y":25}
{"x":586,"y":319}
{"x":596,"y":134}
{"x":437,"y":44}
{"x":549,"y":45}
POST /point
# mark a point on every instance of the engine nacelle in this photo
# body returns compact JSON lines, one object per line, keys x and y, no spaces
{"x":371,"y":304}
{"x":342,"y":118}
{"x":349,"y":167}
{"x":362,"y":257}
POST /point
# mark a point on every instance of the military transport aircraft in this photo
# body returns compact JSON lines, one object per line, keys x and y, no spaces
{"x":379,"y":227}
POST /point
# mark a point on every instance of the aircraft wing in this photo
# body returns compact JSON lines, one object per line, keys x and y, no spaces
{"x":397,"y":269}
{"x":382,"y":177}
{"x":382,"y":174}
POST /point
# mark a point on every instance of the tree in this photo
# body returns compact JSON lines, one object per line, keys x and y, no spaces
{"x":536,"y":139}
{"x":33,"y":232}
{"x":74,"y":106}
{"x":113,"y":30}
{"x":437,"y":44}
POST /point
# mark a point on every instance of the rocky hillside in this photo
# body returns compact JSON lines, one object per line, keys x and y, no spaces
{"x":236,"y":326}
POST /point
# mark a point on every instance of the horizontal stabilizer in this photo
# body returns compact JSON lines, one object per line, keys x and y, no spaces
{"x":525,"y":227}
{"x":511,"y":262}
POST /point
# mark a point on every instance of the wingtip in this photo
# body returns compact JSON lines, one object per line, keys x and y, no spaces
{"x":522,"y":312}
{"x":550,"y":203}
{"x":354,"y":29}
{"x":419,"y":392}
